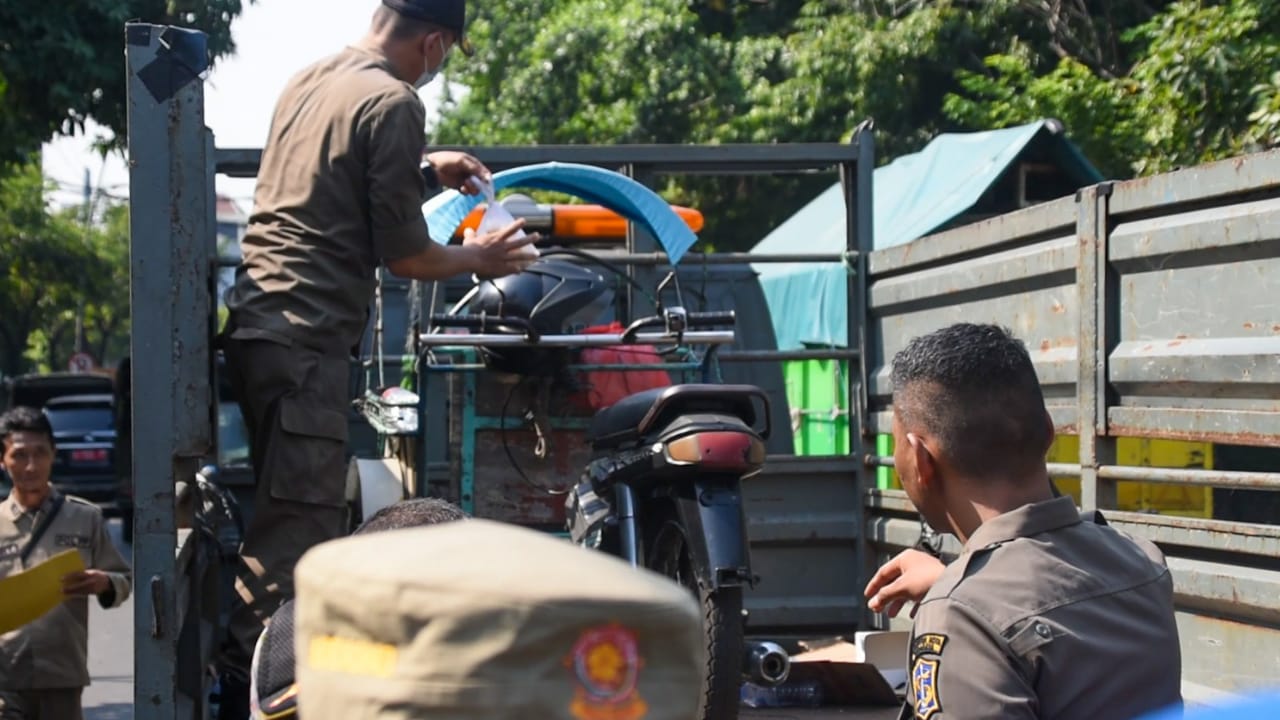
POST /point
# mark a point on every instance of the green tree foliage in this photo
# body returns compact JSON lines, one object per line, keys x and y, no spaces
{"x":106,"y":319}
{"x":1141,"y":85}
{"x":56,"y":268}
{"x":63,"y":63}
{"x":1199,"y":86}
{"x":38,"y":249}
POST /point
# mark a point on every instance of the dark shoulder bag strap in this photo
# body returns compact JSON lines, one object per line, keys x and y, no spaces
{"x":40,"y":529}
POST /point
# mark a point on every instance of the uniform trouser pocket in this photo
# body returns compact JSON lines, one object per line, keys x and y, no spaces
{"x":305,"y":453}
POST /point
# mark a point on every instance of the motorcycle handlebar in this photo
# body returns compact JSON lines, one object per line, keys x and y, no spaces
{"x":692,"y":321}
{"x":704,"y":319}
{"x":482,"y":322}
{"x":478,"y":322}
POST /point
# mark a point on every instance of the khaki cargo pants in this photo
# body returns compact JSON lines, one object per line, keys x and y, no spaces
{"x":294,"y":401}
{"x":54,"y":704}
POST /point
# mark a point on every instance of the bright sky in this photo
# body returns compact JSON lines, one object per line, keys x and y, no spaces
{"x":275,"y":39}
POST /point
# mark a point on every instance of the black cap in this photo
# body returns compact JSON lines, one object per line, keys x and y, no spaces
{"x":451,"y":14}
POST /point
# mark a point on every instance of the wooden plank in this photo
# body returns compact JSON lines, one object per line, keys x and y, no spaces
{"x":500,"y":491}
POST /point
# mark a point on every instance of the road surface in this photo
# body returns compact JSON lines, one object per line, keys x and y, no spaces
{"x":110,"y":693}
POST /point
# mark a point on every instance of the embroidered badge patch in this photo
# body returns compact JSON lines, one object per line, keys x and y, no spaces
{"x":926,"y":661}
{"x":928,"y":644}
{"x":606,"y":664}
{"x":924,"y":686}
{"x":71,"y":541}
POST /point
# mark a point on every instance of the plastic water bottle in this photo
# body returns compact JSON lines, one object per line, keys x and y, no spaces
{"x":788,"y":694}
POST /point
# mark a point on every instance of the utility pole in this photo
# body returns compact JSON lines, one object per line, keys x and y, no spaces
{"x":88,"y":224}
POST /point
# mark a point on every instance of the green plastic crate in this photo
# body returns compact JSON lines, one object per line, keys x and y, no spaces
{"x":814,"y":389}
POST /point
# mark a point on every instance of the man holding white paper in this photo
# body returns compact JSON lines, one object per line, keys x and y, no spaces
{"x":44,"y":663}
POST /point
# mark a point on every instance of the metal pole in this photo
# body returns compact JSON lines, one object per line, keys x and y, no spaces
{"x":685,"y":159}
{"x":745,"y":356}
{"x":855,"y":180}
{"x":693,"y":259}
{"x":639,"y":242}
{"x":697,"y":337}
{"x":1167,"y":476}
{"x":422,"y":386}
{"x":1187,"y":476}
{"x":171,"y":310}
{"x":1055,"y":470}
{"x":780,"y":355}
{"x":1094,"y":293}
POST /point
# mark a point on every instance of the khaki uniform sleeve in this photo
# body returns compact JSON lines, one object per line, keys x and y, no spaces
{"x":394,"y":133}
{"x":108,"y":559}
{"x":961,"y":669}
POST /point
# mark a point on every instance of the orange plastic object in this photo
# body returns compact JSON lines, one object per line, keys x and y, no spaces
{"x":596,"y":221}
{"x":591,"y":221}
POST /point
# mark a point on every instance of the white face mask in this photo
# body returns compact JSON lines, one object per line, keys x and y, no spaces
{"x":430,"y":73}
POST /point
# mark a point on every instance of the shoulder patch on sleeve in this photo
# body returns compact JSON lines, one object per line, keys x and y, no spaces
{"x":928,"y":644}
{"x":924,"y":687}
{"x":926,"y":662}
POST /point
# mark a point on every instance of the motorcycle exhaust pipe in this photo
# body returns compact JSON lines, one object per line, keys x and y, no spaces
{"x":766,"y":664}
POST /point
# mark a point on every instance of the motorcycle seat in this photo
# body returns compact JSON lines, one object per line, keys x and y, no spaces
{"x":635,"y":416}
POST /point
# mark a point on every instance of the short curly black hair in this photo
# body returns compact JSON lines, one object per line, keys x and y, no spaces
{"x":973,"y":387}
{"x":21,"y":418}
{"x":417,"y":512}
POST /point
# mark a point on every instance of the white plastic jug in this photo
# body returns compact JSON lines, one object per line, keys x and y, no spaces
{"x":497,"y":217}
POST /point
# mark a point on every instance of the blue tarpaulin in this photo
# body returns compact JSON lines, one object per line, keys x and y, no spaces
{"x":1256,"y":704}
{"x":912,"y":196}
{"x":446,"y":211}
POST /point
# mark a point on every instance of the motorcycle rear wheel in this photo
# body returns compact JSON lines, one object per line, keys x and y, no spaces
{"x":721,"y":624}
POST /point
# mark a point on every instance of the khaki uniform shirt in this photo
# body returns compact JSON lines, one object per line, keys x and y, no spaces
{"x":52,"y":652}
{"x":1046,"y":616}
{"x":339,"y":191}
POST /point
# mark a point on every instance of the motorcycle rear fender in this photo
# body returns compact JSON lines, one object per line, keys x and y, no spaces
{"x":710,"y":510}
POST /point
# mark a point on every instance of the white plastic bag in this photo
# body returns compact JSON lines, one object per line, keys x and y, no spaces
{"x":497,"y":217}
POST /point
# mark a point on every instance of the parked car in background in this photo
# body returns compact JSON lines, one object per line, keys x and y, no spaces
{"x":37,"y":390}
{"x":234,"y":469}
{"x":85,"y":437}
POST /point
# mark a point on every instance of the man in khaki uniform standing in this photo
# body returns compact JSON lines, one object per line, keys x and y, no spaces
{"x":480,"y":620}
{"x":44,"y":665}
{"x":339,"y":192}
{"x":1045,"y":614}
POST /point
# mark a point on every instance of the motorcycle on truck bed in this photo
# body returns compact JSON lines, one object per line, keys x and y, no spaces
{"x":593,"y":440}
{"x":1125,"y":292}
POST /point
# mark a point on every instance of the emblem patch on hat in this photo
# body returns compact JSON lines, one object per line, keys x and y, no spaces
{"x":606,"y":664}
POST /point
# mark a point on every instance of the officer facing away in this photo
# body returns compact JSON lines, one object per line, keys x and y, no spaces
{"x":44,"y":664}
{"x":1043,"y":615}
{"x":339,"y":193}
{"x":480,"y":620}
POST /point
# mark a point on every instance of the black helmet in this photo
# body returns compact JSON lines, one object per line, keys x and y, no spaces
{"x":556,"y":297}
